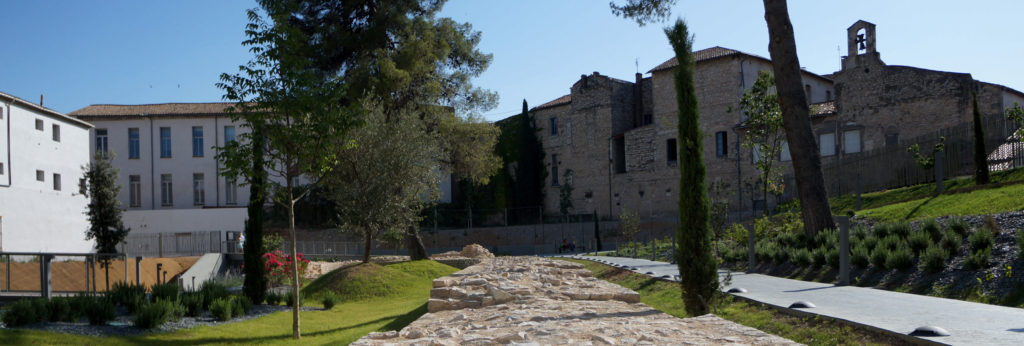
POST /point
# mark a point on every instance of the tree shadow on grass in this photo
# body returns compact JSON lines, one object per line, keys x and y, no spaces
{"x":918,"y":208}
{"x":242,"y":339}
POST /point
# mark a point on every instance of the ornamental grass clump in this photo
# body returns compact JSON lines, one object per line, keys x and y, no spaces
{"x":933,"y":260}
{"x":959,"y":225}
{"x":273,"y":298}
{"x":818,"y":257}
{"x":100,"y":311}
{"x":979,"y":259}
{"x":21,"y":312}
{"x":878,"y":257}
{"x":900,"y":229}
{"x":931,"y":227}
{"x":860,"y":256}
{"x":919,"y":241}
{"x":59,"y":309}
{"x":800,"y":257}
{"x":221,"y":308}
{"x":152,"y":315}
{"x":167,"y":291}
{"x":329,"y":300}
{"x":980,"y":239}
{"x":900,"y":258}
{"x":951,"y":241}
{"x":193,"y":303}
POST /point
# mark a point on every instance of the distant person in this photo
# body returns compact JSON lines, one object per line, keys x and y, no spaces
{"x":241,"y":240}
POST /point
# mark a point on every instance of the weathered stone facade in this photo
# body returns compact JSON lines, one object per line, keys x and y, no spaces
{"x":618,"y":136}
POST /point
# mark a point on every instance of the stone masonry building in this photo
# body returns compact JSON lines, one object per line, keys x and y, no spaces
{"x":619,"y":137}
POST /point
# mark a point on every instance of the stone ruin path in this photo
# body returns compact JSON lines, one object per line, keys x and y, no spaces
{"x":531,"y":300}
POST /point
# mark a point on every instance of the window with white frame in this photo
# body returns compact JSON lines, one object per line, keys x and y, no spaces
{"x":198,"y":189}
{"x":166,"y":191}
{"x":165,"y":142}
{"x":851,"y":142}
{"x":133,"y":143}
{"x":827,"y":144}
{"x":101,"y":141}
{"x":197,"y":141}
{"x":134,"y":191}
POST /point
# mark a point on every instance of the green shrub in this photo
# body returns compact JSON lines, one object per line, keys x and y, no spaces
{"x":212,"y":290}
{"x":221,"y":308}
{"x":878,"y":256}
{"x":869,"y":243}
{"x":787,"y":240}
{"x":918,"y":241}
{"x":958,"y":225}
{"x":780,"y":254}
{"x":980,"y":239}
{"x":289,"y":299}
{"x":21,"y":312}
{"x":193,"y":303}
{"x":100,"y":311}
{"x":860,"y":256}
{"x":800,"y":257}
{"x":933,"y":259}
{"x":236,"y":307}
{"x":79,"y":304}
{"x":951,"y":241}
{"x":881,"y":230}
{"x":167,"y":291}
{"x":832,"y":257}
{"x":60,"y":309}
{"x":245,"y":303}
{"x":900,"y":258}
{"x":890,"y":243}
{"x":827,"y":238}
{"x":818,"y":257}
{"x":273,"y":298}
{"x":152,"y":315}
{"x":129,"y":296}
{"x":979,"y":259}
{"x":329,"y":300}
{"x":900,"y":229}
{"x":931,"y":227}
{"x":859,"y":232}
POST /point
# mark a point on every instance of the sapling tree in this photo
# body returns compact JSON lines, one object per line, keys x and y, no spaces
{"x":104,"y":210}
{"x":763,"y":132}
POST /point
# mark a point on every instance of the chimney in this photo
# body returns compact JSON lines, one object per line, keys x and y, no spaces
{"x":638,"y":101}
{"x":40,"y":100}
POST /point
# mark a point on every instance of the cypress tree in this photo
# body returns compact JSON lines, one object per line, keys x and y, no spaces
{"x":980,"y":154}
{"x":255,"y":286}
{"x":530,"y":173}
{"x":697,"y":265}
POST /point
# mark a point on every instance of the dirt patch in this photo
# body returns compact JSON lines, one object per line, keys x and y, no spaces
{"x":70,"y":276}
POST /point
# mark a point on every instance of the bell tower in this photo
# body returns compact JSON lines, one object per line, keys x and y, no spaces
{"x":860,"y":45}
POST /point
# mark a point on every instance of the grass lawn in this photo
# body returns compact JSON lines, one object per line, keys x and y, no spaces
{"x":349,"y":320}
{"x":878,"y":199}
{"x":975,"y":202}
{"x":666,"y":296}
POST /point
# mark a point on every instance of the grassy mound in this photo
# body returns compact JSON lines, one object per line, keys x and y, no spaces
{"x":370,"y":280}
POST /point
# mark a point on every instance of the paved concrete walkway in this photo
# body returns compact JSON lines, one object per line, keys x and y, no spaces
{"x":967,"y":323}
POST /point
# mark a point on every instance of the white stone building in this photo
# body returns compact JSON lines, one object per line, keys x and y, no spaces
{"x":166,"y":154}
{"x":42,"y":156}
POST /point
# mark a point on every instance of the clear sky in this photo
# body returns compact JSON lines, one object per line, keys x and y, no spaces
{"x":130,"y":52}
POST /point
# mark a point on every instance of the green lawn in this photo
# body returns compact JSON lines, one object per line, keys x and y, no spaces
{"x":348,"y":321}
{"x":976,"y":202}
{"x":961,"y":197}
{"x":667,"y":297}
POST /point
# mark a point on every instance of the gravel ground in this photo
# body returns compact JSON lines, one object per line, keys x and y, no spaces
{"x":122,"y":325}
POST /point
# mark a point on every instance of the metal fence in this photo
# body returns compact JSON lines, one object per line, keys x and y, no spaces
{"x":893,"y":167}
{"x":173,"y":244}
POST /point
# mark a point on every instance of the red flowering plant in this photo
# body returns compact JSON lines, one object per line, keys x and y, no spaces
{"x":279,"y":267}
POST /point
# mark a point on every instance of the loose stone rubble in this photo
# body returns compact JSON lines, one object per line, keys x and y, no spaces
{"x":470,"y":255}
{"x":524,"y":300}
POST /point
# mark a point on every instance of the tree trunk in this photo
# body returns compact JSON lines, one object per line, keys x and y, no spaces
{"x":412,"y":239}
{"x":295,"y":263}
{"x":367,"y":243}
{"x":810,"y":183}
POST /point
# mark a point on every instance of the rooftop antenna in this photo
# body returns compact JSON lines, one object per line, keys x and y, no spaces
{"x":637,"y":63}
{"x":840,"y":56}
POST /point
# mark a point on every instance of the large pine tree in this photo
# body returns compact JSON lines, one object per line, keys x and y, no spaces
{"x":697,"y":265}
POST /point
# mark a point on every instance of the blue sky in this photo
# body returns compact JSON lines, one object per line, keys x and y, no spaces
{"x":130,"y":52}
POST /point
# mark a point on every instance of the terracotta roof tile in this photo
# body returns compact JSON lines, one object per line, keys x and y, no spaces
{"x":556,"y":102}
{"x":153,"y":109}
{"x":700,"y":55}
